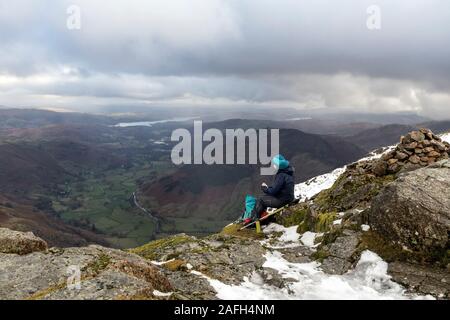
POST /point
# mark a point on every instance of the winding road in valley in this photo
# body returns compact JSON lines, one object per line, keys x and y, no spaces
{"x":148,"y":213}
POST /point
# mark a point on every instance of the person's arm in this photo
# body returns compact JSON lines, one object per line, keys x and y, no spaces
{"x":276,"y":187}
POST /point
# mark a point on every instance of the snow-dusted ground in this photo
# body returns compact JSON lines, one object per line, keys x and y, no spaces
{"x":306,"y":190}
{"x":289,"y":237}
{"x":376,"y":154}
{"x":310,"y":188}
{"x":308,"y":238}
{"x":368,"y":280}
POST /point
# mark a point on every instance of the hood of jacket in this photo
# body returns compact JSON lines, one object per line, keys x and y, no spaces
{"x":289,"y":170}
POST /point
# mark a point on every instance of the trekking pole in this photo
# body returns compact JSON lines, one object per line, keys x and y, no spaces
{"x":258,"y":226}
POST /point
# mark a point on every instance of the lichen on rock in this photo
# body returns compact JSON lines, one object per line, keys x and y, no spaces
{"x":20,"y":242}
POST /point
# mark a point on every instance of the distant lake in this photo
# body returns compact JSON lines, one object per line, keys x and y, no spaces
{"x":299,"y":119}
{"x":150,"y":123}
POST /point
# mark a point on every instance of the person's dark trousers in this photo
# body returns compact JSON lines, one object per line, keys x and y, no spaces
{"x":265,"y":202}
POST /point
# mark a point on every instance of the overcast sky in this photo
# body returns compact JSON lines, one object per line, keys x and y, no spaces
{"x":303,"y":54}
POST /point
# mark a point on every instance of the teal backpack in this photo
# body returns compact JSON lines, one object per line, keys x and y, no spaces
{"x":250,"y":203}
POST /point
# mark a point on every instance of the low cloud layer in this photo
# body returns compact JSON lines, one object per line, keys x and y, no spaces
{"x":303,"y":54}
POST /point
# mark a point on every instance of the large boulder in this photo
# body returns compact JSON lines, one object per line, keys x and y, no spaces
{"x":20,"y":242}
{"x":87,"y":273}
{"x":414,"y":210}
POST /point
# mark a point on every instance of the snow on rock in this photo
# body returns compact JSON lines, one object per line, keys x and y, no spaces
{"x":310,"y":188}
{"x":160,"y":263}
{"x":308,"y":238}
{"x":157,"y":293}
{"x":306,"y":190}
{"x":365,"y":227}
{"x":377,"y":154}
{"x":369,"y":280}
{"x":289,"y":237}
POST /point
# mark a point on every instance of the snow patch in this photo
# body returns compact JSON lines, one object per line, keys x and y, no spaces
{"x":306,"y":190}
{"x":368,"y":281}
{"x":310,"y":188}
{"x":160,"y":263}
{"x":365,"y":227}
{"x":308,"y":238}
{"x":157,"y":293}
{"x":337,"y":222}
{"x":377,"y":154}
{"x":289,"y":237}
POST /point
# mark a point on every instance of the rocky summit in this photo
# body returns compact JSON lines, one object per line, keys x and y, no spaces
{"x":416,"y":149}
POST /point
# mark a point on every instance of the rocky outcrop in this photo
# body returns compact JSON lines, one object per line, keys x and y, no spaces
{"x":20,"y":242}
{"x":222,"y":257}
{"x":340,"y":252}
{"x":417,"y":149}
{"x":92,"y":272}
{"x":414,"y":210}
{"x":421,"y":279}
{"x":405,"y":202}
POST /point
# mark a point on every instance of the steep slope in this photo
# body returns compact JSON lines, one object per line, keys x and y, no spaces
{"x":23,"y":215}
{"x":379,"y":137}
{"x":195,"y":191}
{"x":23,"y":167}
{"x":33,"y":118}
{"x":385,"y":135}
{"x":71,"y":184}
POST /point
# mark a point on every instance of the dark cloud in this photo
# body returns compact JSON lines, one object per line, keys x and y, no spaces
{"x":298,"y":53}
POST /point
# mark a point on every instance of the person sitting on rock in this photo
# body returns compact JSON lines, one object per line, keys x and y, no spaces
{"x":281,"y":192}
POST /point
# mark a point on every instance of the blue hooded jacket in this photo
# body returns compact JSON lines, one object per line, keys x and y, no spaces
{"x":283,"y":183}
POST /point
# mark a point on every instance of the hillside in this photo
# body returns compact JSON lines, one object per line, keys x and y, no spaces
{"x":85,"y":175}
{"x":385,"y":135}
{"x":365,"y":237}
{"x":73,"y":176}
{"x":189,"y":195}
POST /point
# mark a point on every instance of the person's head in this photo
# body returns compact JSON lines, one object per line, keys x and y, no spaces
{"x":279,"y":162}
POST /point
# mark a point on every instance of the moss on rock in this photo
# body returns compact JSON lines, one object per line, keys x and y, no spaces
{"x":175,"y":265}
{"x":388,"y":251}
{"x":151,"y":249}
{"x":325,"y":221}
{"x":234,"y":230}
{"x":351,"y":191}
{"x":320,"y":255}
{"x":293,"y":215}
{"x":98,"y":265}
